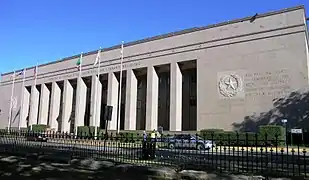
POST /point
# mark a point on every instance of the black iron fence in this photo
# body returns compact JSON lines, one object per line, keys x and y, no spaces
{"x":249,"y":153}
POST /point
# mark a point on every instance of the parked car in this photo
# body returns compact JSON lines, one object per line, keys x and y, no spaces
{"x":36,"y":136}
{"x":189,"y":141}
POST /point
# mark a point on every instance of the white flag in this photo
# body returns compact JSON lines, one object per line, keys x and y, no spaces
{"x":97,"y":59}
{"x":14,"y":103}
{"x":121,"y":51}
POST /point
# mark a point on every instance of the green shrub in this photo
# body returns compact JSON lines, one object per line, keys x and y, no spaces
{"x":101,"y":133}
{"x":129,"y":137}
{"x":83,"y":131}
{"x":206,"y":131}
{"x":38,"y":127}
{"x":23,"y":129}
{"x":231,"y":138}
{"x":273,"y":134}
{"x":92,"y":131}
{"x":88,"y":132}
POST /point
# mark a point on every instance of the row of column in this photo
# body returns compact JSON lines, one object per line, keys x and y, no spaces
{"x":53,"y":101}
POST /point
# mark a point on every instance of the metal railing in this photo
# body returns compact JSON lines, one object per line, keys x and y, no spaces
{"x":234,"y":154}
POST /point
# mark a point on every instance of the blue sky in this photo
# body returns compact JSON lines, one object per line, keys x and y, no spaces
{"x":43,"y":31}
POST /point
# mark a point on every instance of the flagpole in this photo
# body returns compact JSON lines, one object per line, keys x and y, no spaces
{"x":22,"y":97}
{"x":97,"y":99}
{"x":119,"y":91}
{"x":36,"y":72}
{"x":0,"y":78}
{"x":80,"y":66}
{"x":34,"y":86}
{"x":11,"y":103}
{"x":79,"y":76}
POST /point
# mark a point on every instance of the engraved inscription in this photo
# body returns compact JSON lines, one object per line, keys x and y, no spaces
{"x":268,"y":83}
{"x":94,"y":71}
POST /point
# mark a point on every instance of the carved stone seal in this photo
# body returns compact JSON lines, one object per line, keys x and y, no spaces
{"x":230,"y":85}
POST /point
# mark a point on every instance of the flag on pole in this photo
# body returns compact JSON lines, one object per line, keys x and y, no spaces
{"x":97,"y":59}
{"x":24,"y":73}
{"x":21,"y":118}
{"x":121,"y":49}
{"x":11,"y":101}
{"x":35,"y":71}
{"x":14,"y":103}
{"x":79,"y":62}
{"x":13,"y":76}
{"x":21,"y":72}
{"x":119,"y":89}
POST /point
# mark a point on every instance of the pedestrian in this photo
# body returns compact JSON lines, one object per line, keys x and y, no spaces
{"x":144,"y":136}
{"x":145,"y":149}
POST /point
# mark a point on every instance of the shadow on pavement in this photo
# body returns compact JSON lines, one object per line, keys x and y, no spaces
{"x":18,"y":168}
{"x":13,"y":167}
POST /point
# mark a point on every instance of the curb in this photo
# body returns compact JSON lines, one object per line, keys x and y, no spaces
{"x":263,"y":149}
{"x":97,"y":143}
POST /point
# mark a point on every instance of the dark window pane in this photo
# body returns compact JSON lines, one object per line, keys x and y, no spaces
{"x":192,"y":101}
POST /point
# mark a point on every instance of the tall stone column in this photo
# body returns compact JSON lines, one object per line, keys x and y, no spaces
{"x":175,"y":98}
{"x":96,"y":93}
{"x":131,"y":101}
{"x":80,"y":107}
{"x":112,"y":99}
{"x":44,"y":104}
{"x":54,"y":106}
{"x":152,"y":99}
{"x":34,"y":105}
{"x":24,"y":107}
{"x":67,"y":106}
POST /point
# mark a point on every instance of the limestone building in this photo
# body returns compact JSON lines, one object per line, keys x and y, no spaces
{"x":199,"y":78}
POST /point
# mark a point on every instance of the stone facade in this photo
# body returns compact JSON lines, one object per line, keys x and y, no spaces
{"x":200,"y":78}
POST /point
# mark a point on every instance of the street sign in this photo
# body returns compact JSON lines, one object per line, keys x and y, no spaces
{"x":296,"y":131}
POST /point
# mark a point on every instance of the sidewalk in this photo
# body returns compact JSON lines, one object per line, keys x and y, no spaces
{"x":99,"y":143}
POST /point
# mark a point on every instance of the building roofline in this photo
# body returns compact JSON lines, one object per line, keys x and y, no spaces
{"x":171,"y":34}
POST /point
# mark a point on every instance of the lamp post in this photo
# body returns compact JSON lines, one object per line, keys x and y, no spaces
{"x":284,"y":121}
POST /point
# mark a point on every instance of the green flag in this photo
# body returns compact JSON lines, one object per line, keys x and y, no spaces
{"x":79,"y":62}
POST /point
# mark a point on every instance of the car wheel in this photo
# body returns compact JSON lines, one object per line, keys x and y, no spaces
{"x":171,"y":146}
{"x":200,"y":147}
